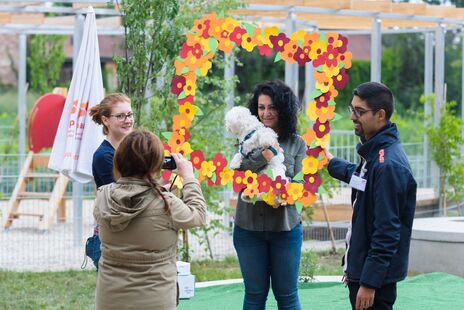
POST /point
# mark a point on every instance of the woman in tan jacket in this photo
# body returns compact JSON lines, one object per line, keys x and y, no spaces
{"x":139,"y":223}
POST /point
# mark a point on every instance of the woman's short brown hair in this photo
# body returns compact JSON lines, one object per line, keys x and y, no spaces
{"x":105,"y":106}
{"x":140,"y":154}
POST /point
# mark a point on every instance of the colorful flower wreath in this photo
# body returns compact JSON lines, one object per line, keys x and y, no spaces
{"x":328,"y":54}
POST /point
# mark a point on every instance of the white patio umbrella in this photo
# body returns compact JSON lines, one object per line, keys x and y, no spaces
{"x":78,"y":136}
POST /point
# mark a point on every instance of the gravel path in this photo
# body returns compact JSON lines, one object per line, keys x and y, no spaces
{"x":24,"y":247}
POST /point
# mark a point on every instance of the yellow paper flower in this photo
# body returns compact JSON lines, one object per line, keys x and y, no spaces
{"x":323,"y":142}
{"x":190,"y":88}
{"x":185,"y":149}
{"x":271,"y":31}
{"x":229,"y":24}
{"x":331,"y":71}
{"x":311,"y":111}
{"x":317,"y":48}
{"x":325,"y":85}
{"x":189,"y":110}
{"x":299,"y":35}
{"x":208,"y":168}
{"x":226,"y":175}
{"x":294,"y":190}
{"x":310,"y":165}
{"x":250,"y":178}
{"x":247,"y":42}
{"x":205,"y":68}
{"x":269,"y":197}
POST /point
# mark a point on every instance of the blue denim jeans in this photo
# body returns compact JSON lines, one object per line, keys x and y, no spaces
{"x":269,"y":258}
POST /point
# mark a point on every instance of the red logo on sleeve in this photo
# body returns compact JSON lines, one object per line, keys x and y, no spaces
{"x":381,"y":154}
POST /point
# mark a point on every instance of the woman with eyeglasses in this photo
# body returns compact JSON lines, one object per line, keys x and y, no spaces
{"x":114,"y":112}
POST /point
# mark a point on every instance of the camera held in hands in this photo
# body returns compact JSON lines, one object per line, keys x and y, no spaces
{"x":169,"y":163}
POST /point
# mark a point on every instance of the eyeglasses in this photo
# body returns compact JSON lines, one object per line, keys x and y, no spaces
{"x":358,"y":112}
{"x":121,"y":117}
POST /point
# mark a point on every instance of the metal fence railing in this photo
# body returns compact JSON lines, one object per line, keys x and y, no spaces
{"x":25,"y":247}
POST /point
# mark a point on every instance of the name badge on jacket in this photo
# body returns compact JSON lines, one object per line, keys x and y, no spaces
{"x":358,"y":182}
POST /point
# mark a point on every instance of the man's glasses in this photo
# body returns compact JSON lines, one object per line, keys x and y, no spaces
{"x":358,"y":112}
{"x":121,"y":117}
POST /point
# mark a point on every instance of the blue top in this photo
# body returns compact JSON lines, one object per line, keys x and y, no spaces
{"x":383,"y":213}
{"x":102,"y":165}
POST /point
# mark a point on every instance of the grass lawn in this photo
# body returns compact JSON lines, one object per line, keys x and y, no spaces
{"x":76,"y":289}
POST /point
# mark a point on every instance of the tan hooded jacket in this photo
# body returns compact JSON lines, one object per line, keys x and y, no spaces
{"x":137,"y":269}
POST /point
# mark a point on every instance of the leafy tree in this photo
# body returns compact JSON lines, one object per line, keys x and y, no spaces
{"x":45,"y":61}
{"x":445,"y":143}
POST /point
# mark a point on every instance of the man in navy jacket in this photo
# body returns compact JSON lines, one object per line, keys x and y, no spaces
{"x":383,"y":199}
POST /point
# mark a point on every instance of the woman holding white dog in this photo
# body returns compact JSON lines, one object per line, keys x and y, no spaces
{"x":268,"y":238}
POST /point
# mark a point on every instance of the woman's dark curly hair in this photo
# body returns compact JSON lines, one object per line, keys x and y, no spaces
{"x":284,"y":100}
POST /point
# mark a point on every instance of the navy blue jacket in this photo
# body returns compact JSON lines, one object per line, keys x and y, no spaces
{"x":383,"y":213}
{"x":102,"y":164}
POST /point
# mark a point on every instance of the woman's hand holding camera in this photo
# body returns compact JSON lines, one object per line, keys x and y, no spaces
{"x":184,"y":166}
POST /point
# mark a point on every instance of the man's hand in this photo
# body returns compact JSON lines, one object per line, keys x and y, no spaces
{"x":328,"y":155}
{"x":364,"y":298}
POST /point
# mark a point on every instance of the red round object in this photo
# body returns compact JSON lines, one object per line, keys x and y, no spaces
{"x":44,"y":120}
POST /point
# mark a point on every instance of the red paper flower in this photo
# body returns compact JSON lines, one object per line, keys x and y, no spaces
{"x":323,"y":100}
{"x":177,"y":84}
{"x":195,"y":50}
{"x":312,"y":182}
{"x":341,"y":79}
{"x":278,"y":185}
{"x":264,"y":183}
{"x":301,"y":57}
{"x":320,"y":60}
{"x":331,"y":56}
{"x":237,"y":184}
{"x":314,"y":152}
{"x":265,"y":50}
{"x":321,"y":129}
{"x":237,"y":34}
{"x":166,"y":175}
{"x":197,"y":158}
{"x":279,"y":41}
{"x":185,"y":100}
{"x":219,"y":161}
{"x":342,"y":48}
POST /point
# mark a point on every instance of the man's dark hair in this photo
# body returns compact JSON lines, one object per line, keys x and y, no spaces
{"x":377,"y":96}
{"x":284,"y":100}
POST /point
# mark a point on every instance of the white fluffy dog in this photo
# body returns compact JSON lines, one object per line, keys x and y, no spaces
{"x":252,"y":135}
